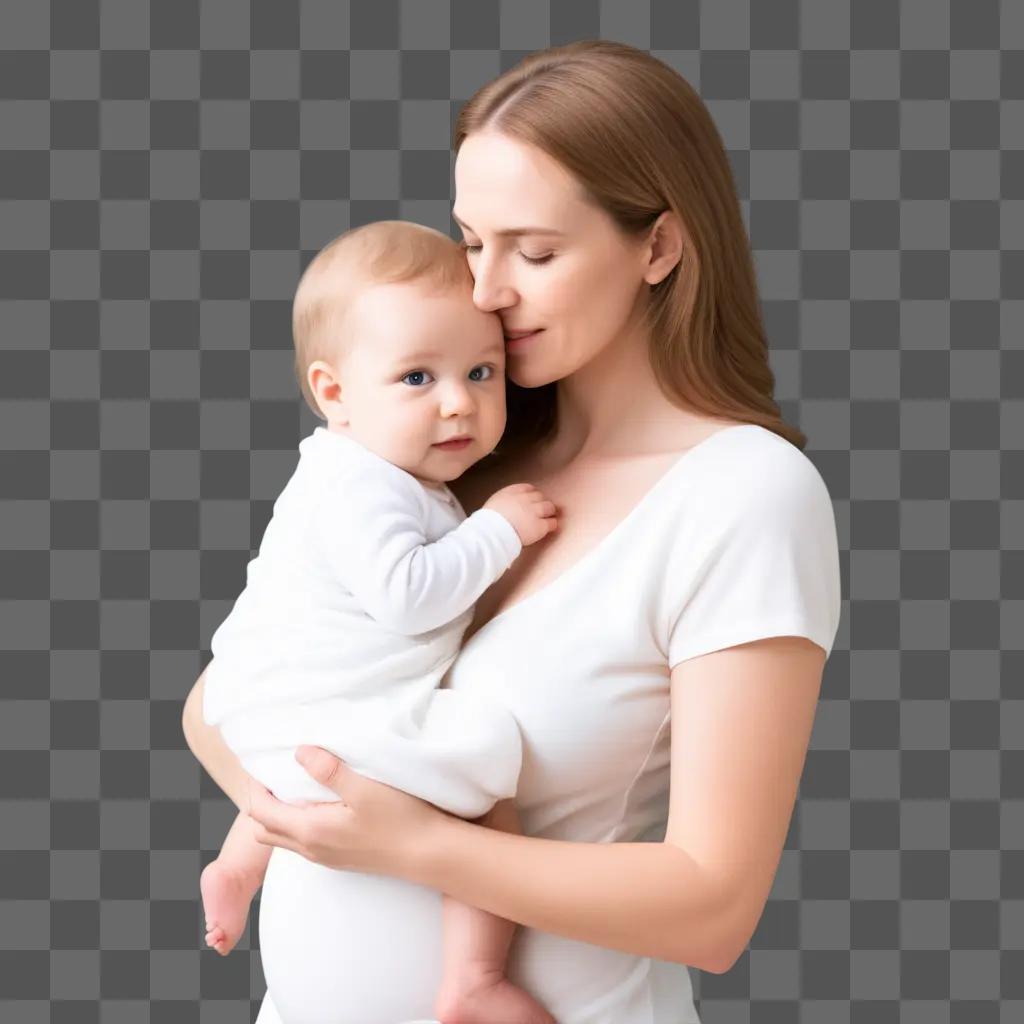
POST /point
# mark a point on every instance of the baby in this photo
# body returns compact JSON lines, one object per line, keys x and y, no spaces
{"x":368,"y":574}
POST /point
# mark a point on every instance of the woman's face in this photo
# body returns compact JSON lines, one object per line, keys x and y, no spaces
{"x":517,"y":205}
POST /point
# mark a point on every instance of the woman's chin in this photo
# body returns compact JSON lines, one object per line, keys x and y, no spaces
{"x":530,"y":374}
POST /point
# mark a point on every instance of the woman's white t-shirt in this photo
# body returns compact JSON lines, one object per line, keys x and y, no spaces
{"x":735,"y":542}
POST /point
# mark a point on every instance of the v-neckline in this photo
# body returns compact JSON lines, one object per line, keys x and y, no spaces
{"x":617,"y":528}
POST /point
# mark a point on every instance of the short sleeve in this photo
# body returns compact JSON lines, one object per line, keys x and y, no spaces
{"x":762,"y":561}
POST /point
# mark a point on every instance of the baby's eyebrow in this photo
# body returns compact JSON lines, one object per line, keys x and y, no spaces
{"x":413,"y":356}
{"x":512,"y":231}
{"x":420,"y":355}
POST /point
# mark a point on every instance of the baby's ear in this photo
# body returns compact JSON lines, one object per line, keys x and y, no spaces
{"x":324,"y":385}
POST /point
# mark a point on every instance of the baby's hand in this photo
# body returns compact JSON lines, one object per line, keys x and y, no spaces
{"x":523,"y":505}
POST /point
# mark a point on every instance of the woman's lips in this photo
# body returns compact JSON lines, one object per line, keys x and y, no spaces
{"x":514,"y":344}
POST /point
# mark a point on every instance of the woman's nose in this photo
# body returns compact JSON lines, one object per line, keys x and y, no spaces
{"x":490,"y":292}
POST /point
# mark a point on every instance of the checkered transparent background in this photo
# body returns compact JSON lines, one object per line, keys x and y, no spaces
{"x":167,"y":169}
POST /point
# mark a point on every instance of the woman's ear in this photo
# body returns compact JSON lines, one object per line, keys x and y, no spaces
{"x":664,"y":247}
{"x":325,"y":386}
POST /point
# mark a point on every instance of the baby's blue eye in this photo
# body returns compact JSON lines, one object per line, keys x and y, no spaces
{"x":423,"y":373}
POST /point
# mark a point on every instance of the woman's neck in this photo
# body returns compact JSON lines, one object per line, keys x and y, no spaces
{"x":614,"y":406}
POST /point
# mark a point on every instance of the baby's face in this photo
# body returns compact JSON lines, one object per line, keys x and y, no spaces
{"x":423,"y":367}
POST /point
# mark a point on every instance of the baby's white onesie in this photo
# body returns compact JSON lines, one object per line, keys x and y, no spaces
{"x":352,"y":612}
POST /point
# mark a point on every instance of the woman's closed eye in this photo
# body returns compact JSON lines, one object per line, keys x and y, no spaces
{"x":536,"y":260}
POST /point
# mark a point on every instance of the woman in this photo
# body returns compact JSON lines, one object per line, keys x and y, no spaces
{"x":662,"y":651}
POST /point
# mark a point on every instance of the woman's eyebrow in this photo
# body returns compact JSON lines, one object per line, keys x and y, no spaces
{"x":511,"y":231}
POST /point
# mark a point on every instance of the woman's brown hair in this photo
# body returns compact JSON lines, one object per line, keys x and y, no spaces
{"x":640,"y":141}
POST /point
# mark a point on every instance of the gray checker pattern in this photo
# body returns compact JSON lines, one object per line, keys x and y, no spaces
{"x":167,"y":169}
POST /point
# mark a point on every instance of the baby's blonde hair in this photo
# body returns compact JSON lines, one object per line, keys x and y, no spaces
{"x":383,"y":252}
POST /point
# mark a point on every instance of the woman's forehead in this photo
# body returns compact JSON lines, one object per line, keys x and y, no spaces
{"x":497,"y":178}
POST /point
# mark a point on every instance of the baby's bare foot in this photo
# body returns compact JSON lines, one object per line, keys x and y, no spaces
{"x":226,"y":894}
{"x":493,"y":999}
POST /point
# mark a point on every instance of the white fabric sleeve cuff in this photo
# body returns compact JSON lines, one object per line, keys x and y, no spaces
{"x":493,"y":526}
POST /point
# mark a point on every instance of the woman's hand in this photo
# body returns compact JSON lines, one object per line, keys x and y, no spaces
{"x":374,"y":828}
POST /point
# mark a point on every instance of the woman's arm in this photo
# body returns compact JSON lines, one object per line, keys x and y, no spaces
{"x":210,"y":749}
{"x":649,"y":899}
{"x":743,"y":720}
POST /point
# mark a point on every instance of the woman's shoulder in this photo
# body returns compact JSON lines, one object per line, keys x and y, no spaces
{"x":735,"y":470}
{"x":743,"y":477}
{"x":757,"y":477}
{"x":749,"y":453}
{"x":772,"y":462}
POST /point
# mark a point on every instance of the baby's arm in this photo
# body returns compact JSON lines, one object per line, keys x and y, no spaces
{"x":373,"y":540}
